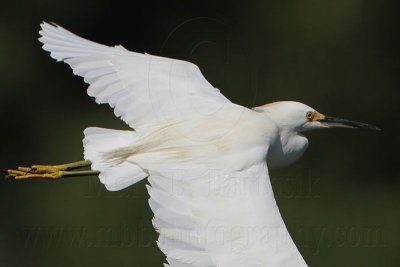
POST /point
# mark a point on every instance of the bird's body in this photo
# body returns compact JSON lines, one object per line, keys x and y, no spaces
{"x":206,"y":159}
{"x":197,"y":182}
{"x":235,"y":139}
{"x":213,"y":141}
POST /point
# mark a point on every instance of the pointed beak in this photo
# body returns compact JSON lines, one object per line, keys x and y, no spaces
{"x":343,"y":123}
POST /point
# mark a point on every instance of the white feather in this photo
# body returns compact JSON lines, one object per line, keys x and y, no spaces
{"x":115,"y":175}
{"x":170,"y":84}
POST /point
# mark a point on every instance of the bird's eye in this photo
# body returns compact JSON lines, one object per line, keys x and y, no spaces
{"x":310,"y":115}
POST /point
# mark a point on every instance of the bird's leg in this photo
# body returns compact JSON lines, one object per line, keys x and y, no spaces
{"x":51,"y":171}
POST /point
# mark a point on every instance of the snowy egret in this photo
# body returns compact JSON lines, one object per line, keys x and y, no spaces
{"x":205,"y":158}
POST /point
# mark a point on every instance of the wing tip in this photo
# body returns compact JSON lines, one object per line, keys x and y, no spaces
{"x":45,"y":28}
{"x":44,"y":25}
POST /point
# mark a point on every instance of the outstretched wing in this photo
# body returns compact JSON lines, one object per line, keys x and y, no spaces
{"x":141,"y":88}
{"x":221,"y":220}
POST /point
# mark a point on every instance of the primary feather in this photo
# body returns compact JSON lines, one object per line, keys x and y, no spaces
{"x":203,"y":155}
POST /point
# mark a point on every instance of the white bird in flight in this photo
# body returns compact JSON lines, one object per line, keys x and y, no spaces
{"x":206,"y":158}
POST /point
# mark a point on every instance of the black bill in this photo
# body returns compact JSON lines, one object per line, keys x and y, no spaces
{"x":336,"y":122}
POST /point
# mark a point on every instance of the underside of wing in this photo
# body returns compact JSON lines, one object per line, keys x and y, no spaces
{"x":224,"y":220}
{"x":142,"y":88}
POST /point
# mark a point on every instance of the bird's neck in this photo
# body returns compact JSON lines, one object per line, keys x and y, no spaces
{"x":288,"y":148}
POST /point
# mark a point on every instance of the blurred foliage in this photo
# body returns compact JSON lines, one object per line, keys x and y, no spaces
{"x":340,"y":201}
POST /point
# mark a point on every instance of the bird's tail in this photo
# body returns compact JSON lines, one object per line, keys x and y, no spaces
{"x":115,"y":175}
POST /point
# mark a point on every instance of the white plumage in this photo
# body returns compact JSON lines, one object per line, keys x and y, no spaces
{"x":205,"y":157}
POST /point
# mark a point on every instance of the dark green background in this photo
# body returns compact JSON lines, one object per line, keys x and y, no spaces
{"x":340,"y":201}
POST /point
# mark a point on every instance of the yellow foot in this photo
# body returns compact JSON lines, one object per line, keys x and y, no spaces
{"x":51,"y":172}
{"x":36,"y":171}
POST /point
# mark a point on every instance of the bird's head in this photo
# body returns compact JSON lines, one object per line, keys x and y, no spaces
{"x":298,"y":117}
